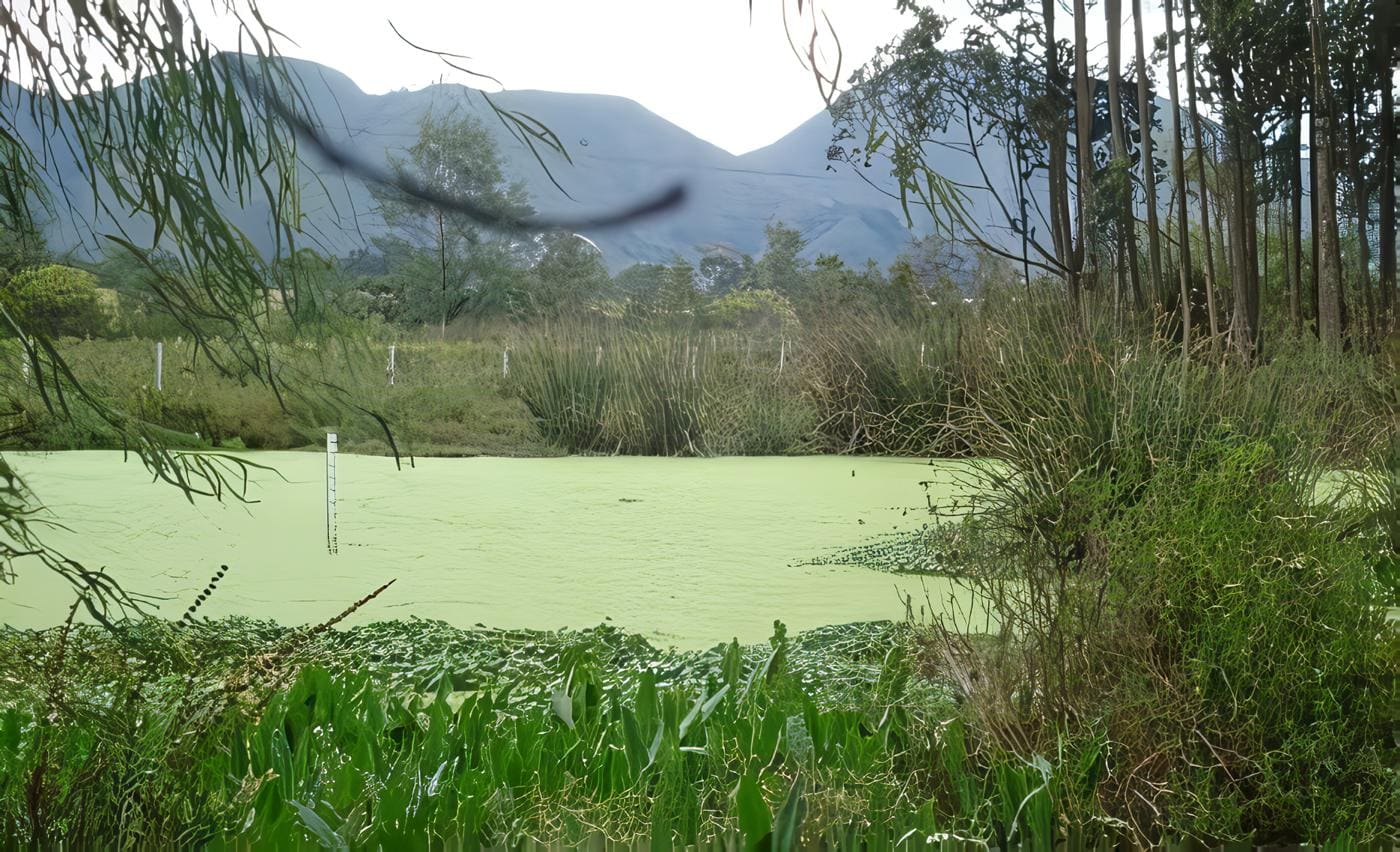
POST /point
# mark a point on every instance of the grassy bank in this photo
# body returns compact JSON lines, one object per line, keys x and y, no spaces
{"x":1181,"y":574}
{"x":852,"y":383}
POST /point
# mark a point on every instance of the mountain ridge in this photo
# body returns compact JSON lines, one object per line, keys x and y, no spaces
{"x":620,"y":151}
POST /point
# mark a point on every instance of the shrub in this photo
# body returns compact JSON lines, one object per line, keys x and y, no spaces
{"x":56,"y":301}
{"x":763,"y":311}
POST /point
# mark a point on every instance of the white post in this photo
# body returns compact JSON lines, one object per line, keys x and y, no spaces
{"x":332,"y":447}
{"x":392,"y":365}
{"x":160,"y":365}
{"x":25,"y":348}
{"x":782,"y":356}
{"x":598,"y":359}
{"x":505,"y":362}
{"x":921,"y":354}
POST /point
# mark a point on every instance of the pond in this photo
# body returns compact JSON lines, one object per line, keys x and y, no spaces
{"x":688,"y":552}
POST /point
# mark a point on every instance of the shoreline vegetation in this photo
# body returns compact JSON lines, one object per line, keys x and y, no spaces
{"x":1171,"y":636}
{"x":1146,"y":338}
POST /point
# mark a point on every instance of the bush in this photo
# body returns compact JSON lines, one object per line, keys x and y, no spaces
{"x":56,"y":301}
{"x":762,"y":311}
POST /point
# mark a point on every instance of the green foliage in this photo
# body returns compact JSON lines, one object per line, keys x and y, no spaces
{"x":246,"y":733}
{"x":753,"y":311}
{"x":56,"y":301}
{"x":780,"y":269}
{"x":569,"y":275}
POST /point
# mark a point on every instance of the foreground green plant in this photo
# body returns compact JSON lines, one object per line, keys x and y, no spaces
{"x":245,"y":733}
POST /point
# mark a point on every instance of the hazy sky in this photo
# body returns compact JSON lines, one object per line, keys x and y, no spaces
{"x":701,"y":64}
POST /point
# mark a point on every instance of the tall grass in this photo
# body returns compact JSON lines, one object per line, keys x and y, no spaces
{"x":885,"y":386}
{"x":661,"y":391}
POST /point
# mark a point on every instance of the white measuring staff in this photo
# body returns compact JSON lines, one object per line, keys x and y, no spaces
{"x":332,"y":447}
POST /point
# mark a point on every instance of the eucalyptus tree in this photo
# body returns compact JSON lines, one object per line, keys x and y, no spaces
{"x":986,"y":98}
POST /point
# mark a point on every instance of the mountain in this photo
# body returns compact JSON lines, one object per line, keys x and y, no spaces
{"x":621,"y":152}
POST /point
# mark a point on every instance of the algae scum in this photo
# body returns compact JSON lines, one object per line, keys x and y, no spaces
{"x":689,"y":552}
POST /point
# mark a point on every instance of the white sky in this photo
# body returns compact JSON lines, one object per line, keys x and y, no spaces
{"x":698,"y":63}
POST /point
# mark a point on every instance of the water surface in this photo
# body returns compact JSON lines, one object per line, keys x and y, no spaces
{"x":687,"y":551}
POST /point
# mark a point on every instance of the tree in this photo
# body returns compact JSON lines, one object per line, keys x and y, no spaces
{"x":721,"y":272}
{"x":752,"y":310}
{"x":642,"y":283}
{"x":1084,"y":153}
{"x":454,"y":156}
{"x":658,"y":289}
{"x":780,"y":269}
{"x":568,"y":275}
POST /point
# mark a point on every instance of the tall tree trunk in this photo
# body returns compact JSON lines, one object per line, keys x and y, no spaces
{"x":1113,"y":13}
{"x":1211,"y":310}
{"x":1385,"y":17}
{"x":1083,"y":130}
{"x":1295,"y":225}
{"x":1329,"y":279}
{"x":1244,"y":274}
{"x":1178,"y":175}
{"x":1061,"y":229}
{"x":1149,"y":166}
{"x":1362,"y":199}
{"x":442,"y":259}
{"x":1313,"y":193}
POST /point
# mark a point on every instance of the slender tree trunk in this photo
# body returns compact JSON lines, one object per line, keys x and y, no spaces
{"x":1178,"y":176}
{"x":1113,"y":12}
{"x":1329,"y":279}
{"x":1264,"y":255}
{"x":1211,"y":310}
{"x":1059,"y":157}
{"x":1316,"y":241}
{"x":1244,"y":274}
{"x":1149,"y":166}
{"x":442,"y":259}
{"x":1385,"y":16}
{"x":1295,"y":225}
{"x":1362,"y":199}
{"x":1084,"y":123}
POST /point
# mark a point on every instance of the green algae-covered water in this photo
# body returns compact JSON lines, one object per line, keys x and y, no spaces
{"x":689,"y":552}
